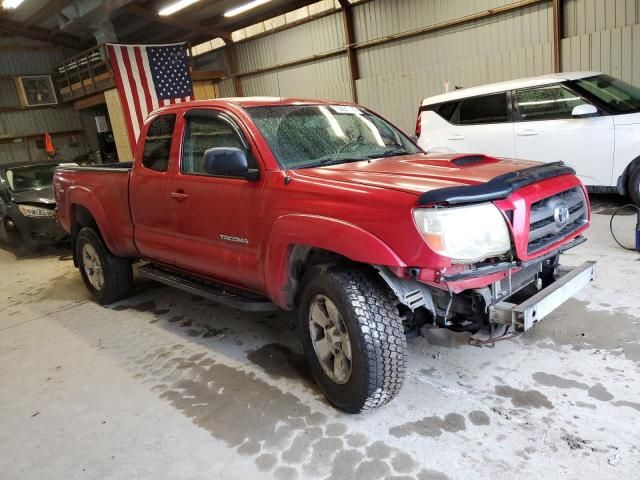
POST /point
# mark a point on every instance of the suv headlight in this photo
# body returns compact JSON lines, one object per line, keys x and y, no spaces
{"x":464,"y":234}
{"x":31,"y":211}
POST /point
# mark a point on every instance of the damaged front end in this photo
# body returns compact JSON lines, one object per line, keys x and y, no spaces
{"x":509,"y":278}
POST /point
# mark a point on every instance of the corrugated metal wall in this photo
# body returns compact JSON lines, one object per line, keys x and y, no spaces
{"x":215,"y":60}
{"x":326,"y":78}
{"x":396,"y":76}
{"x":18,"y":123}
{"x":600,"y":35}
{"x":603,"y":35}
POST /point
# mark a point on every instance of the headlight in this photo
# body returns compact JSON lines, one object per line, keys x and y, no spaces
{"x":464,"y":234}
{"x":31,"y":211}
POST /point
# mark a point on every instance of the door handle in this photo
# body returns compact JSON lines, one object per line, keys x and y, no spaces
{"x":456,"y":136}
{"x":179,"y":196}
{"x":527,"y":132}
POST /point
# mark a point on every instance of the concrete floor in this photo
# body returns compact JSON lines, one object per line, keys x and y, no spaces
{"x":166,"y":385}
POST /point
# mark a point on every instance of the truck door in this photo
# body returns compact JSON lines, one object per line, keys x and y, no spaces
{"x":218,"y":217}
{"x":149,"y":190}
{"x":546,"y":131}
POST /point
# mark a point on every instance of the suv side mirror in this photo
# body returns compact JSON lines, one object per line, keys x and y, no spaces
{"x":584,"y":111}
{"x":228,"y":162}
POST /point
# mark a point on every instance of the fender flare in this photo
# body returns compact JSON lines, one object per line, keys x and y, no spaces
{"x":320,"y":232}
{"x":83,"y":197}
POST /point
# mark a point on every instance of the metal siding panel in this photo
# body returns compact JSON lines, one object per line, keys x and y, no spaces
{"x":226,"y":88}
{"x":636,"y":55}
{"x":214,"y":60}
{"x":596,"y":49}
{"x":610,"y":13}
{"x":585,"y":52}
{"x":601,"y":17}
{"x":616,"y":52}
{"x":626,"y":73}
{"x":621,"y":13}
{"x":8,"y":93}
{"x":565,"y":58}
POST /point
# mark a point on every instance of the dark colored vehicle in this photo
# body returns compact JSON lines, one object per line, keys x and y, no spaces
{"x":27,"y":205}
{"x":326,"y":208}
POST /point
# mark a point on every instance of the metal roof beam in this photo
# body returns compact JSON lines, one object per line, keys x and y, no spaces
{"x":49,"y":9}
{"x":40,"y":34}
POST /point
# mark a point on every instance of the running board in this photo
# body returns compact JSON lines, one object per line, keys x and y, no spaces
{"x":211,"y":291}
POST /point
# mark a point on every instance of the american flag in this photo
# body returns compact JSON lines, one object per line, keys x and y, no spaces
{"x":148,"y":77}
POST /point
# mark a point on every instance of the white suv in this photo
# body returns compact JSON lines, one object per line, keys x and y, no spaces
{"x":589,"y":120}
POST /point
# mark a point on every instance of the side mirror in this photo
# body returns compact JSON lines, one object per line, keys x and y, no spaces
{"x":584,"y":111}
{"x":228,"y":162}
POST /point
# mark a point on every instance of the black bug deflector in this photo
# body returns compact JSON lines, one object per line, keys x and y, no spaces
{"x":497,"y":188}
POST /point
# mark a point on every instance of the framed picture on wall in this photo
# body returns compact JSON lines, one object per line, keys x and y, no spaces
{"x":36,"y":90}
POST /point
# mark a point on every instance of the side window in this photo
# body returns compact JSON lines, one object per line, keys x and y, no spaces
{"x":447,"y":109}
{"x":203,"y":133}
{"x":546,"y":103}
{"x":157,"y":145}
{"x":486,"y":109}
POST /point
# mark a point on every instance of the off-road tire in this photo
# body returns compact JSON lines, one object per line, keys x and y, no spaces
{"x":634,"y":186}
{"x":118,"y":273}
{"x":378,"y":343}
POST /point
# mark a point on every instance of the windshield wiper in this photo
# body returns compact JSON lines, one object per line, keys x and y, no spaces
{"x":331,"y":161}
{"x":389,"y":153}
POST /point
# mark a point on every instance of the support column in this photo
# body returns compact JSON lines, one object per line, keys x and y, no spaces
{"x":349,"y":37}
{"x":557,"y":34}
{"x":232,"y":58}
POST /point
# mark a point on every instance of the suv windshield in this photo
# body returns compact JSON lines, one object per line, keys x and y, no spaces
{"x":303,"y":136}
{"x":31,"y":177}
{"x":616,"y":94}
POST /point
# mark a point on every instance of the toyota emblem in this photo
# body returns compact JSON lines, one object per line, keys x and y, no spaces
{"x":561,"y":214}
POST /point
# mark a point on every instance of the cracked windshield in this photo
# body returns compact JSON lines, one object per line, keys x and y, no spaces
{"x":304,"y":136}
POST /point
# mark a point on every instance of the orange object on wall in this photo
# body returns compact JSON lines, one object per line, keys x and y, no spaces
{"x":48,"y":145}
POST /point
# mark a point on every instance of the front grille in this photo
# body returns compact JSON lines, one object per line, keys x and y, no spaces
{"x":546,"y":224}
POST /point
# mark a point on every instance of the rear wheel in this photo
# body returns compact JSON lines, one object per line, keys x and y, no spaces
{"x":352,"y":336}
{"x":634,"y":186}
{"x":107,"y":277}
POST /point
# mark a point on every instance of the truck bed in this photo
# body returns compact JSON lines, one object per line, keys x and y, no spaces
{"x":103,"y":190}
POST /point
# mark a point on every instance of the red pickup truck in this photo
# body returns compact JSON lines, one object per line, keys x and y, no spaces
{"x":264,"y":203}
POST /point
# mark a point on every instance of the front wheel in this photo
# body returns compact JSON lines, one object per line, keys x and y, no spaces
{"x":352,"y":337}
{"x":107,"y":277}
{"x":19,"y":245}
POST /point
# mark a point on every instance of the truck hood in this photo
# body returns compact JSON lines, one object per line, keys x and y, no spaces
{"x":43,"y":196}
{"x":419,"y":173}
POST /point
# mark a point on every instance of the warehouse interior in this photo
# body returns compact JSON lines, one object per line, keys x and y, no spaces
{"x":167,"y":384}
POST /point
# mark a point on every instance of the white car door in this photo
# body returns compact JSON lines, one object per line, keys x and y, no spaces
{"x":546,"y":131}
{"x":482,"y":125}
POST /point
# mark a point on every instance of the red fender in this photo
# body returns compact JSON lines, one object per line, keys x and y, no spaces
{"x":119,"y":243}
{"x":326,"y":233}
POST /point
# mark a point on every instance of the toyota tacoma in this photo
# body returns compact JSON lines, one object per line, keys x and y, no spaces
{"x":328,"y":209}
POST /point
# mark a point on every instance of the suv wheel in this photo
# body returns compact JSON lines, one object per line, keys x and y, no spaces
{"x":107,"y":277}
{"x":634,"y":186}
{"x":352,"y":336}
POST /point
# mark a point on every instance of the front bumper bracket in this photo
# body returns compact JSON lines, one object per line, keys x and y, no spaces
{"x":525,"y":315}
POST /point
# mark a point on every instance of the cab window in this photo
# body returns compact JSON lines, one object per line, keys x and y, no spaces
{"x":203,"y":133}
{"x":553,"y":102}
{"x":157,"y":145}
{"x":485,"y":109}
